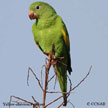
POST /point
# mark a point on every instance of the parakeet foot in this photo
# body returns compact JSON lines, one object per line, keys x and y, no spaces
{"x":55,"y":60}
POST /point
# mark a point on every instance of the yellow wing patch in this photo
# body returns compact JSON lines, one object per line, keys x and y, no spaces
{"x":66,"y":38}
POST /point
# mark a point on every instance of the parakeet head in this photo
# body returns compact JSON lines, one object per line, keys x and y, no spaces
{"x":38,"y":10}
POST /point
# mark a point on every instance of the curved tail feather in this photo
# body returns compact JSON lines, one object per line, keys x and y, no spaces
{"x":62,"y":78}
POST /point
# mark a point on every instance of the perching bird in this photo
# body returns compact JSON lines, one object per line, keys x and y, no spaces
{"x":49,"y":29}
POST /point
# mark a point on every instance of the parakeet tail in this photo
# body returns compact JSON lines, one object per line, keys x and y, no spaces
{"x":65,"y":99}
{"x":62,"y":78}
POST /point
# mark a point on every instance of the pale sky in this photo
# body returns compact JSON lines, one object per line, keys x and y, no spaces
{"x":87,"y":24}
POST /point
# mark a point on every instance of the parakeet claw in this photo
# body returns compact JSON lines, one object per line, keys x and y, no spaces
{"x":54,"y":63}
{"x":51,"y":56}
{"x":55,"y":60}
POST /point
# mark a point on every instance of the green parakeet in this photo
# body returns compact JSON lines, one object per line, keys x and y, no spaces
{"x":49,"y":29}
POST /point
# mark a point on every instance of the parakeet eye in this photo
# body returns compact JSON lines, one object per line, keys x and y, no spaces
{"x":37,"y":7}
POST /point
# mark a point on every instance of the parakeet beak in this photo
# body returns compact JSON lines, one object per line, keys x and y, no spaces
{"x":32,"y":15}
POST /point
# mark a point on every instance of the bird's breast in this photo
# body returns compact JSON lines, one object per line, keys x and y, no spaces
{"x":48,"y":37}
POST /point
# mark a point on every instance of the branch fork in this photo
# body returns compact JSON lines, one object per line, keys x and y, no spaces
{"x":51,"y":61}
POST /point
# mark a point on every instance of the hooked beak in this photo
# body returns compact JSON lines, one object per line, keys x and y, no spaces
{"x":32,"y":15}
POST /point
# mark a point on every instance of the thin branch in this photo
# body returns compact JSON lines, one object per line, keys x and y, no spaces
{"x":82,"y":79}
{"x":52,"y":92}
{"x":36,"y":103}
{"x":55,"y":82}
{"x":19,"y":99}
{"x":53,"y":101}
{"x":47,"y":68}
{"x":48,"y":63}
{"x":60,"y":105}
{"x":71,"y":89}
{"x":34,"y":99}
{"x":67,"y":102}
{"x":51,"y":78}
{"x":70,"y":82}
{"x":41,"y":75}
{"x":46,"y":83}
{"x":30,"y":70}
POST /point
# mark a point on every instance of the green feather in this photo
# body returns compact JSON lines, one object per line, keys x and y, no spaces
{"x":47,"y":30}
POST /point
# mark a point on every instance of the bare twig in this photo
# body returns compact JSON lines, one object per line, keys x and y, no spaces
{"x":44,"y":91}
{"x":71,"y":89}
{"x":19,"y":99}
{"x":36,"y":103}
{"x":60,"y":104}
{"x":82,"y":79}
{"x":67,"y":102}
{"x":51,"y":78}
{"x":53,"y":101}
{"x":47,"y":68}
{"x":70,"y":82}
{"x":41,"y":75}
{"x":48,"y":62}
{"x":35,"y":100}
{"x":55,"y":82}
{"x":55,"y":78}
{"x":46,"y":82}
{"x":52,"y":92}
{"x":30,"y":70}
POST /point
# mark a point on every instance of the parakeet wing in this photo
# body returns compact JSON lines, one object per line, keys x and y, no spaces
{"x":67,"y":43}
